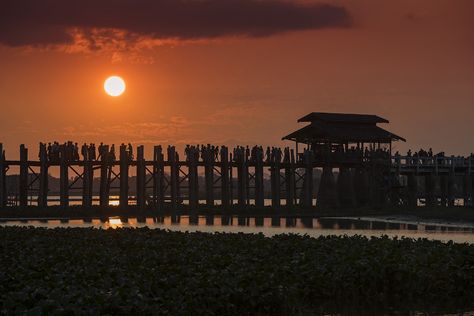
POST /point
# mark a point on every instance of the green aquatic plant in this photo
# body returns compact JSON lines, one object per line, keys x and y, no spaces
{"x":146,"y":271}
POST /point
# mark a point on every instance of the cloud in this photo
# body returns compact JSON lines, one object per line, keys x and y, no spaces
{"x":62,"y":22}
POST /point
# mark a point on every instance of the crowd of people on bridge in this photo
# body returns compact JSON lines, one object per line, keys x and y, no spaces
{"x":69,"y":151}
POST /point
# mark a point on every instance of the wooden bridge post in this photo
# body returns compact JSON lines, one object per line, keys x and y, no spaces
{"x":345,"y":188}
{"x":275,"y":177}
{"x":209,"y":175}
{"x":174,"y":175}
{"x":87,"y":183}
{"x":23,"y":175}
{"x":290,"y":177}
{"x":3,"y":189}
{"x":412,"y":187}
{"x":451,"y":192}
{"x":467,"y":190}
{"x":43,"y":177}
{"x":192,"y":157}
{"x":443,"y":186}
{"x":259,"y":197}
{"x":104,"y":177}
{"x":308,"y":179}
{"x":242,"y":176}
{"x":327,"y":192}
{"x":225,"y":197}
{"x":63,"y":179}
{"x":141,"y":174}
{"x":158,"y":177}
{"x":430,"y":184}
{"x":124,"y":165}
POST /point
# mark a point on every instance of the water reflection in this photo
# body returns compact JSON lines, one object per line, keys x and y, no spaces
{"x":271,"y":225}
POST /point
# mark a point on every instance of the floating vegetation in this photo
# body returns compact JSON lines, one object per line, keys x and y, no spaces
{"x":144,"y":271}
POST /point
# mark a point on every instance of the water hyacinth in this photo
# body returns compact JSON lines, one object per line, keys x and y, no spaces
{"x":145,"y":271}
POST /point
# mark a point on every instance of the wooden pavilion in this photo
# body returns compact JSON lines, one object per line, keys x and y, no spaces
{"x":334,"y":136}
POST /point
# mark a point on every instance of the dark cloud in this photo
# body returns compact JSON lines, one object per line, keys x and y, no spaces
{"x":36,"y":22}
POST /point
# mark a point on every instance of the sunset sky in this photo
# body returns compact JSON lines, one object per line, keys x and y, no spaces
{"x":234,"y":72}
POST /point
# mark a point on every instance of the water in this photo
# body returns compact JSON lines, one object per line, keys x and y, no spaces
{"x":269,"y":226}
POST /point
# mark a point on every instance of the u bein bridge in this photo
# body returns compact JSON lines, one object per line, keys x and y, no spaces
{"x":349,"y":145}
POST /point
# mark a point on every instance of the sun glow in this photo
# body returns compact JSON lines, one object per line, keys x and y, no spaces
{"x":114,"y":86}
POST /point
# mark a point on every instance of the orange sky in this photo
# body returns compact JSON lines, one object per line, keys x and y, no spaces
{"x":408,"y":61}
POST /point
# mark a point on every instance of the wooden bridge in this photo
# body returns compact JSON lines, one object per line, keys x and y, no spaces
{"x":239,"y":177}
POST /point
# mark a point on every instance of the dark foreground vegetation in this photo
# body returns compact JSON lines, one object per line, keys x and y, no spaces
{"x":144,"y":271}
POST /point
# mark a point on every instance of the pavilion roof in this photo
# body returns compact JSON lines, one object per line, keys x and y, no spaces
{"x":342,"y":128}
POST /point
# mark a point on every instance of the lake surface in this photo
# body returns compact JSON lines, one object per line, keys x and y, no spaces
{"x":269,"y":226}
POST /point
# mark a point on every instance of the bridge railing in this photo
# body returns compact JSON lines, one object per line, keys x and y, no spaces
{"x":433,"y":162}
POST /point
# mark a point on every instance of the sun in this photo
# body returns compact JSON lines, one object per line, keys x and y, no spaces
{"x":114,"y":86}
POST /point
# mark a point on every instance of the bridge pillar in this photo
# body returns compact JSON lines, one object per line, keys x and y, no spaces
{"x":193,"y":179}
{"x":174,"y":175}
{"x":345,"y":187}
{"x":361,"y":185}
{"x":3,"y":187}
{"x":308,"y":179}
{"x":43,"y":177}
{"x":259,"y":198}
{"x":327,"y":193}
{"x":104,"y":176}
{"x":451,"y":189}
{"x":467,"y":190}
{"x":412,"y":187}
{"x":430,"y":185}
{"x":275,"y":178}
{"x":209,"y":176}
{"x":290,"y":177}
{"x":124,"y":162}
{"x":87,"y":183}
{"x":443,"y":186}
{"x":23,"y":175}
{"x":225,"y":195}
{"x":141,"y":177}
{"x":158,"y":177}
